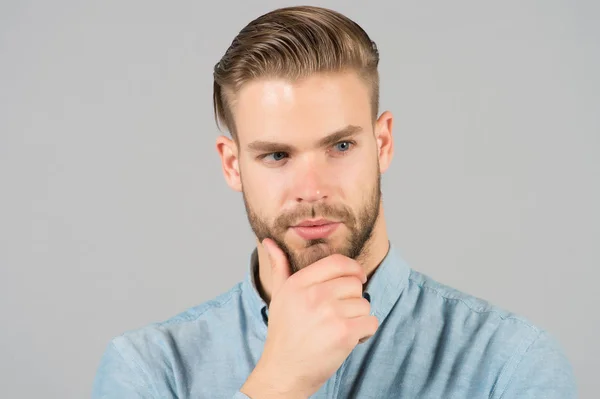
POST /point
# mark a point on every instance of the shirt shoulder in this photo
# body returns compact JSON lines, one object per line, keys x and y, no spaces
{"x":205,"y":310}
{"x":152,"y":359}
{"x":518,"y":358}
{"x":196,"y":320}
{"x":448,"y":296}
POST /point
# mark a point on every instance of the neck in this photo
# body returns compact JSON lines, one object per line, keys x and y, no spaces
{"x":375,"y":250}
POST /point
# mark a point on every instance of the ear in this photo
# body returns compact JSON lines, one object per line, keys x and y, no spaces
{"x":228,"y":151}
{"x":385,"y":141}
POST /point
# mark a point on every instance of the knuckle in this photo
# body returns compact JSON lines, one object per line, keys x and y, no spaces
{"x":339,"y":261}
{"x":353,"y":287}
{"x":358,"y":286}
{"x":360,"y":272}
{"x":355,"y":267}
{"x":365,"y":306}
{"x":313,"y":296}
{"x":343,"y":333}
{"x":374,"y":324}
{"x":328,"y":311}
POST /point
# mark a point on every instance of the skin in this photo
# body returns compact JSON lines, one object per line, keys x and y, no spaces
{"x":310,"y":149}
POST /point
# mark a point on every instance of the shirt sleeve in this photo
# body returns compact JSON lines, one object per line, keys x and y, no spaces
{"x":118,"y":378}
{"x":543,"y":372}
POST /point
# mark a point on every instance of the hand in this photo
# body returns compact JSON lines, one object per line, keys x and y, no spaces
{"x":316,"y":318}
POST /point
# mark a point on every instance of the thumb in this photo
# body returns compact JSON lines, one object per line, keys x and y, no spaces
{"x":280,"y":267}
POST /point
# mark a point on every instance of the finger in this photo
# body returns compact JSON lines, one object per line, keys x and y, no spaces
{"x":331,"y":267}
{"x":343,"y":287}
{"x":280,"y":268}
{"x":363,"y":327}
{"x":353,"y":307}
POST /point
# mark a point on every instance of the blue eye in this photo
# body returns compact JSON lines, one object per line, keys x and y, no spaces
{"x":276,"y":156}
{"x":343,"y":146}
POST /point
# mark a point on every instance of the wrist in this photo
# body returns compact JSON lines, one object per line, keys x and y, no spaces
{"x":262,"y":384}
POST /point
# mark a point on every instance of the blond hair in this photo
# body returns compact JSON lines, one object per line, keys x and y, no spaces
{"x":293,"y":43}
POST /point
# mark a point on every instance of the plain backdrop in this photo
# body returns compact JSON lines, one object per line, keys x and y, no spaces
{"x":114,"y":212}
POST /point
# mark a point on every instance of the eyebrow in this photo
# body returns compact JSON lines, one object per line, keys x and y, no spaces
{"x":330,"y":139}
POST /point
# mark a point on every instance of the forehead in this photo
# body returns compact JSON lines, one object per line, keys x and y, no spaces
{"x":280,"y":109}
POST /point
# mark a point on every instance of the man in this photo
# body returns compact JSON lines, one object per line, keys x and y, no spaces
{"x":328,"y":309}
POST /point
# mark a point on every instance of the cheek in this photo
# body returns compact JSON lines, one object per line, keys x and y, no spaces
{"x":357,"y":181}
{"x":262,"y":189}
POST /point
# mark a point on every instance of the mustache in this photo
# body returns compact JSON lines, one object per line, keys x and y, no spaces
{"x":325,"y":211}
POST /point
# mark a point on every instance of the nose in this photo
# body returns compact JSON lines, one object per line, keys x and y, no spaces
{"x":310,"y":184}
{"x":309,"y":196}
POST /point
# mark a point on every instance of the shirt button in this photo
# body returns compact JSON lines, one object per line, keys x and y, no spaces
{"x":367,"y":296}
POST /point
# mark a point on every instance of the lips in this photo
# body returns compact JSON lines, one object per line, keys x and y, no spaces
{"x":316,"y":222}
{"x":315,"y":229}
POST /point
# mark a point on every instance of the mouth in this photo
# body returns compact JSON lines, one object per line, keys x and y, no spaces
{"x":315,"y":229}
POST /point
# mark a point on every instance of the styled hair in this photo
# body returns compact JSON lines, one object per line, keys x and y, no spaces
{"x":293,"y":43}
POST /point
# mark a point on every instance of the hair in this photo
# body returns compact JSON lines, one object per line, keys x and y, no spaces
{"x":293,"y":43}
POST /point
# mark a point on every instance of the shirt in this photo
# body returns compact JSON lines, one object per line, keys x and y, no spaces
{"x":433,"y":341}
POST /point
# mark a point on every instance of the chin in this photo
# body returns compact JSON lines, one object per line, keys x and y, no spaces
{"x":308,"y":255}
{"x":323,"y":248}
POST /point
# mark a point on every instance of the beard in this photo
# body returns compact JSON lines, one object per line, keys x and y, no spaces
{"x":360,"y":225}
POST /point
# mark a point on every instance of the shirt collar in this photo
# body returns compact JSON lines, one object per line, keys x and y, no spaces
{"x":383,"y":288}
{"x":257,"y":306}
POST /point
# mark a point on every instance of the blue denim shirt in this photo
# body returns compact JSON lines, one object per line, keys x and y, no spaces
{"x":432,"y":342}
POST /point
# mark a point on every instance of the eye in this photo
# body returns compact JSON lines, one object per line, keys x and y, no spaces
{"x":343,"y":146}
{"x":275,"y":156}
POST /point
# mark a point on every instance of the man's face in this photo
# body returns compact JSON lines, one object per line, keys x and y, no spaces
{"x":307,"y":156}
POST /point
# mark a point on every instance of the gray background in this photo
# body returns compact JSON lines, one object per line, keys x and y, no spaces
{"x":114,"y":212}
